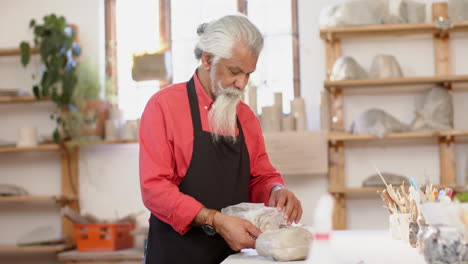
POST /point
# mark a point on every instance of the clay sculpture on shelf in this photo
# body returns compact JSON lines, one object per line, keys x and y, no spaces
{"x":353,"y":13}
{"x":390,"y":178}
{"x":378,"y":123}
{"x":385,"y":66}
{"x":346,"y":68}
{"x":434,"y":110}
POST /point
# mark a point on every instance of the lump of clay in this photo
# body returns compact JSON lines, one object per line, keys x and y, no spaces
{"x":346,"y":68}
{"x":263,"y":217}
{"x":434,"y":110}
{"x":12,"y":190}
{"x":378,"y":123}
{"x":353,"y":13}
{"x":385,"y":66}
{"x":458,"y":10}
{"x":405,"y":11}
{"x":390,"y":178}
{"x":412,"y":12}
{"x":444,"y":245}
{"x":285,"y":244}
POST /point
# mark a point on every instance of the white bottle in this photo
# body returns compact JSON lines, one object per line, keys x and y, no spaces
{"x":321,"y":251}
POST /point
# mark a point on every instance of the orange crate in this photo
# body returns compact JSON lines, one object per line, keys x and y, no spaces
{"x":103,"y":237}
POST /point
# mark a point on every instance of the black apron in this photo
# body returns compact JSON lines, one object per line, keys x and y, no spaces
{"x":218,"y":176}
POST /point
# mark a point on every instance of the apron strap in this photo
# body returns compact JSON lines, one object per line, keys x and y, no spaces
{"x":193,"y":100}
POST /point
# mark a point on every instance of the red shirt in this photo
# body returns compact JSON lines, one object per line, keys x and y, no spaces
{"x":166,"y":142}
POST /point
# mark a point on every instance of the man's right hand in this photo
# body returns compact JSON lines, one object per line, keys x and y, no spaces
{"x":237,"y":232}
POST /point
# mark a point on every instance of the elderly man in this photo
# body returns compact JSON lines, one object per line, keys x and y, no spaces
{"x":202,"y":149}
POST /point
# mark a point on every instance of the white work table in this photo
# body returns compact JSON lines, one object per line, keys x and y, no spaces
{"x":351,"y":247}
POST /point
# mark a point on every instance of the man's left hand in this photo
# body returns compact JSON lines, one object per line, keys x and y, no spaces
{"x":286,"y":202}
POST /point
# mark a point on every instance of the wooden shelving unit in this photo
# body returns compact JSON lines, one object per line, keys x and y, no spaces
{"x":69,"y":174}
{"x":332,"y":38}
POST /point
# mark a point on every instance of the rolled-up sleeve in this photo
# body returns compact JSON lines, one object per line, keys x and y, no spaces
{"x":264,"y":176}
{"x":158,"y":182}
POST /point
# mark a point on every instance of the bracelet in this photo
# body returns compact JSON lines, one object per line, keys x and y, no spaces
{"x":277,"y":187}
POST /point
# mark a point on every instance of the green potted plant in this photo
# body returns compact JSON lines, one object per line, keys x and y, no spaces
{"x":55,"y":41}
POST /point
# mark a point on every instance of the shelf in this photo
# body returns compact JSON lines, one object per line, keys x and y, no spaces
{"x":129,"y":255}
{"x":7,"y":199}
{"x":344,"y":136}
{"x":346,"y":84}
{"x":100,"y":142}
{"x":357,"y":192}
{"x":15,"y":52}
{"x":42,"y":147}
{"x":21,"y":99}
{"x":385,"y":30}
{"x":33,"y":249}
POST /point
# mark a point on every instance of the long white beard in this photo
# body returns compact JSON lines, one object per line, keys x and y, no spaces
{"x":222,"y":116}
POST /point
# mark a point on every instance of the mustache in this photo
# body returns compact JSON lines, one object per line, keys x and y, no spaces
{"x":230,"y":91}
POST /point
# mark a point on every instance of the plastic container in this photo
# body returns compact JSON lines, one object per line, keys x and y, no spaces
{"x":104,"y":237}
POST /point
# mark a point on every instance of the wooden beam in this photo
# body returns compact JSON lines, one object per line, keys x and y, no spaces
{"x":295,"y":48}
{"x":111,"y":43}
{"x":41,"y":147}
{"x":165,"y":33}
{"x":70,"y":157}
{"x":337,"y":110}
{"x":21,"y":99}
{"x":332,"y":53}
{"x":325,"y":112}
{"x":33,"y":249}
{"x":337,"y":181}
{"x":443,"y":63}
{"x":357,"y":192}
{"x":15,"y":52}
{"x":32,"y":198}
{"x":242,"y":7}
{"x":443,"y":66}
{"x":336,"y":164}
{"x":339,"y":212}
{"x":447,"y":161}
{"x":345,"y":136}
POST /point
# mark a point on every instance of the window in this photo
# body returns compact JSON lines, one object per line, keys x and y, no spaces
{"x":137,"y":30}
{"x":275,"y":65}
{"x":274,"y":19}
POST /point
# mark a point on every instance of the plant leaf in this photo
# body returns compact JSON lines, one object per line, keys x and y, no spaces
{"x":56,"y":136}
{"x":36,"y":91}
{"x":25,"y":54}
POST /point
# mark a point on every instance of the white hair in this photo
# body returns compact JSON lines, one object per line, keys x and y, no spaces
{"x":219,"y":36}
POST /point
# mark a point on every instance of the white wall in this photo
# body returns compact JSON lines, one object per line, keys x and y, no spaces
{"x":109,"y":174}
